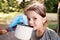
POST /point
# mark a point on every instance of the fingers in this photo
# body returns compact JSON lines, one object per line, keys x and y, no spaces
{"x":3,"y":31}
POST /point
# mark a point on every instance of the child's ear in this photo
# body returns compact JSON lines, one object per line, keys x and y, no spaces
{"x":44,"y":19}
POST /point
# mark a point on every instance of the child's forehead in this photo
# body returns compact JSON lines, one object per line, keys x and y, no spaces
{"x":32,"y":14}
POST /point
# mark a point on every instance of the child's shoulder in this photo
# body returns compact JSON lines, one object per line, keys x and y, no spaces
{"x":52,"y":34}
{"x":50,"y":30}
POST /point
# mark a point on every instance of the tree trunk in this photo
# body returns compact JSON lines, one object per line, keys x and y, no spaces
{"x":59,"y":16}
{"x":23,"y":3}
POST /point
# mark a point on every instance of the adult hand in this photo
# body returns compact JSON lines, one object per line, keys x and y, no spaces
{"x":3,"y":31}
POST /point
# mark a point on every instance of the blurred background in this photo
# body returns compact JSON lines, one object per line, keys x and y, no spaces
{"x":11,"y":8}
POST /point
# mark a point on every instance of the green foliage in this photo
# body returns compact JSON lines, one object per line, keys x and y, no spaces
{"x":11,"y":6}
{"x":51,"y":5}
{"x":22,"y":5}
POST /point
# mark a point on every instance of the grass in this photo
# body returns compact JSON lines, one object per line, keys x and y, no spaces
{"x":52,"y":20}
{"x":6,"y":18}
{"x":53,"y":25}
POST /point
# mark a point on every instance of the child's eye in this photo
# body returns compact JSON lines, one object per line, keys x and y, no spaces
{"x":35,"y":18}
{"x":28,"y":18}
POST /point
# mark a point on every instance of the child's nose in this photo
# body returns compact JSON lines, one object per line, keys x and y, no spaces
{"x":31,"y":23}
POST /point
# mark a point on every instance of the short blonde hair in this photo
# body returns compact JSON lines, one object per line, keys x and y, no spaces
{"x":38,"y":8}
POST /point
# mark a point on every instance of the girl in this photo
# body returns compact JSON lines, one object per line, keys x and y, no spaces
{"x":37,"y":19}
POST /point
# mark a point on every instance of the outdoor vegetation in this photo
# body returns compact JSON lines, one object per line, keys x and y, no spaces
{"x":51,"y":5}
{"x":14,"y":5}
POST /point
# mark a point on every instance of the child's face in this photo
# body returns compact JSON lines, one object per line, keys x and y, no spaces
{"x":35,"y":21}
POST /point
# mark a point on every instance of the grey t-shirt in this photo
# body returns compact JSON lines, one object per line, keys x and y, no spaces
{"x":48,"y":35}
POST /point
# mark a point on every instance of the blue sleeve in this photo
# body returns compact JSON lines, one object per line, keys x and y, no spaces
{"x":14,"y":22}
{"x":25,"y":20}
